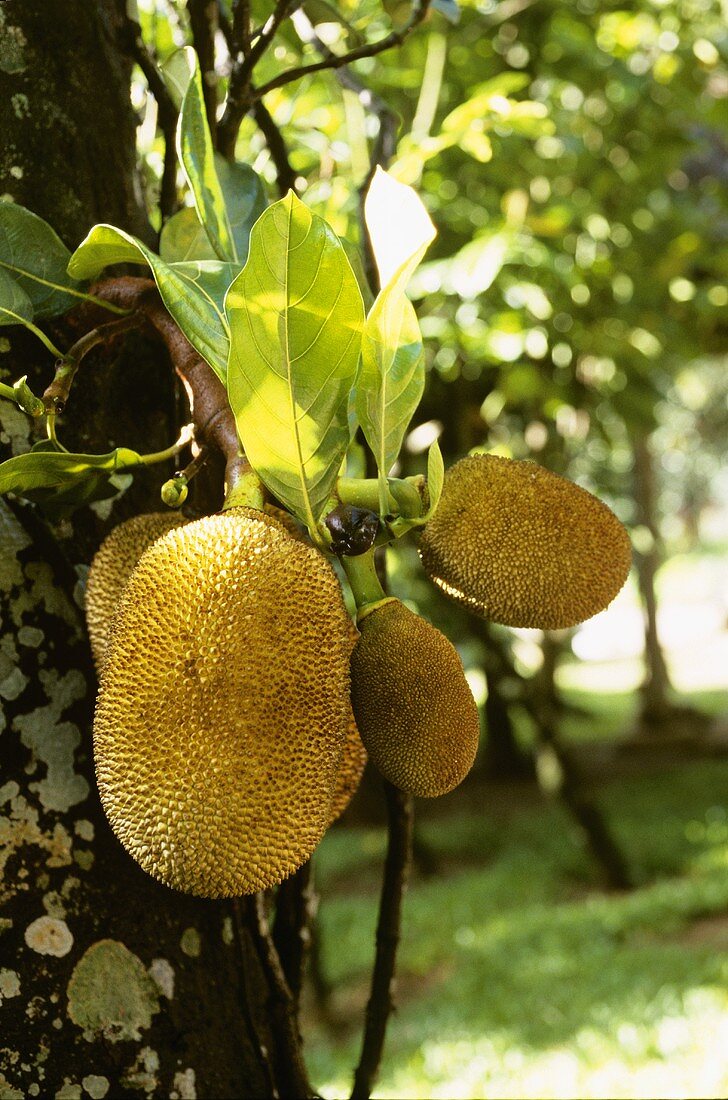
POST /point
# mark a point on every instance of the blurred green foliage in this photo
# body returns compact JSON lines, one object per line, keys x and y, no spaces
{"x":517,"y":977}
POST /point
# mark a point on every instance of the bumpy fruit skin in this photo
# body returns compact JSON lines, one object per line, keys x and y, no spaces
{"x":223,"y":706}
{"x":414,"y":709}
{"x":111,"y":568}
{"x":523,"y":546}
{"x":353,"y":758}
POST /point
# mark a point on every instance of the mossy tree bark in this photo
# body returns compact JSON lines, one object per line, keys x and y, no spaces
{"x":110,"y":983}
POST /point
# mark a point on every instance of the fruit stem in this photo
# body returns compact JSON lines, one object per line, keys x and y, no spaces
{"x":185,"y":436}
{"x":363,"y":493}
{"x":246,"y":492}
{"x":363,"y":580}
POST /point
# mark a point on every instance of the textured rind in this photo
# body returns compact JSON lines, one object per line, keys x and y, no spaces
{"x":223,"y":706}
{"x":414,"y":709}
{"x":353,"y":758}
{"x":111,"y":568}
{"x":523,"y":546}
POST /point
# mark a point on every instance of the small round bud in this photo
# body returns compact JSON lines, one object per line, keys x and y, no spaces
{"x":26,"y":399}
{"x":174,"y":492}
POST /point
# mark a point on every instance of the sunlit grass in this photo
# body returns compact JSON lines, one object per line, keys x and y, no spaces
{"x":519,"y":976}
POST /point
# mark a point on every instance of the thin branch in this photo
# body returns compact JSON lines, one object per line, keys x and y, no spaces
{"x":211,"y":413}
{"x":204,"y":22}
{"x":285,"y":174}
{"x":135,"y":46}
{"x":56,"y":394}
{"x":245,"y":950}
{"x":293,"y":1078}
{"x":296,"y":904}
{"x":241,"y":95}
{"x":380,"y":1005}
{"x":337,"y":61}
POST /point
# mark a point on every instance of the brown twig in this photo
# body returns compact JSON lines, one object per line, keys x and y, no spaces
{"x":242,"y":935}
{"x":204,"y":21}
{"x":211,"y":413}
{"x":400,"y":818}
{"x":292,"y":1075}
{"x":241,"y":94}
{"x":56,"y":394}
{"x":136,"y":47}
{"x":295,"y":911}
{"x":285,"y":174}
{"x":337,"y":61}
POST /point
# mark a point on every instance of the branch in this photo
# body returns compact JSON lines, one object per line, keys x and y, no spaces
{"x":295,"y":910}
{"x":56,"y":394}
{"x":380,"y":1005}
{"x":203,"y":21}
{"x":293,"y":1077}
{"x":211,"y":413}
{"x":241,"y":95}
{"x":243,"y":937}
{"x":285,"y":174}
{"x":133,"y":42}
{"x":337,"y":61}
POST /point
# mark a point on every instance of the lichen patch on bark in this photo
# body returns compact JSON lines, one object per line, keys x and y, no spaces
{"x":110,"y":994}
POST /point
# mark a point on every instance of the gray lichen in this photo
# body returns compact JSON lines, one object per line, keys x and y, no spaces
{"x":110,"y":994}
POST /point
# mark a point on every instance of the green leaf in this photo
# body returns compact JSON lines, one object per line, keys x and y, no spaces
{"x":245,"y":201}
{"x":399,"y":226}
{"x":61,"y":481}
{"x":34,"y":256}
{"x":183,"y":238}
{"x":435,"y":476}
{"x":296,"y":317}
{"x":14,"y":302}
{"x":392,"y":376}
{"x":192,"y":292}
{"x":196,"y":154}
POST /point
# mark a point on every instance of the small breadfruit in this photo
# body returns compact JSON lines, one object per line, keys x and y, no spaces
{"x":414,"y":709}
{"x":111,"y":568}
{"x":522,"y":546}
{"x":223,"y":706}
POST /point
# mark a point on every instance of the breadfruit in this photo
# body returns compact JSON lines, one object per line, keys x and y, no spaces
{"x":111,"y":568}
{"x":523,"y":546}
{"x":223,"y":706}
{"x":353,"y":758}
{"x":415,"y":712}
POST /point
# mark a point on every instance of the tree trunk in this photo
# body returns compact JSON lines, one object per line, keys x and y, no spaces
{"x":110,"y":982}
{"x":655,"y":689}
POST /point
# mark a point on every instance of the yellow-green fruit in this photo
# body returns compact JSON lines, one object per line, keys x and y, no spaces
{"x":223,"y":706}
{"x":523,"y":546}
{"x":414,"y":709}
{"x":353,"y":759}
{"x":111,"y":568}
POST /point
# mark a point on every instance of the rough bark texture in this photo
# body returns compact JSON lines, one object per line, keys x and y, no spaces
{"x":64,"y":95}
{"x":110,"y":984}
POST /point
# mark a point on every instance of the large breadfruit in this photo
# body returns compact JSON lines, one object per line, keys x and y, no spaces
{"x":414,"y":709}
{"x":353,"y":758}
{"x":223,"y":705}
{"x":523,"y":546}
{"x":111,"y":568}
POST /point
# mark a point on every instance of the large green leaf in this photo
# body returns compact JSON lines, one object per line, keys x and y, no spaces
{"x":15,"y":305}
{"x":296,"y":316}
{"x":193,"y":292}
{"x":34,"y":256}
{"x":61,"y":481}
{"x":392,"y":377}
{"x":183,"y":238}
{"x":196,"y":154}
{"x":245,"y":200}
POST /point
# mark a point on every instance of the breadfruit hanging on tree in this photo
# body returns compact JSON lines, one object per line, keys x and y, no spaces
{"x":413,"y":706}
{"x":522,"y":546}
{"x":111,"y":568}
{"x":223,"y":707}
